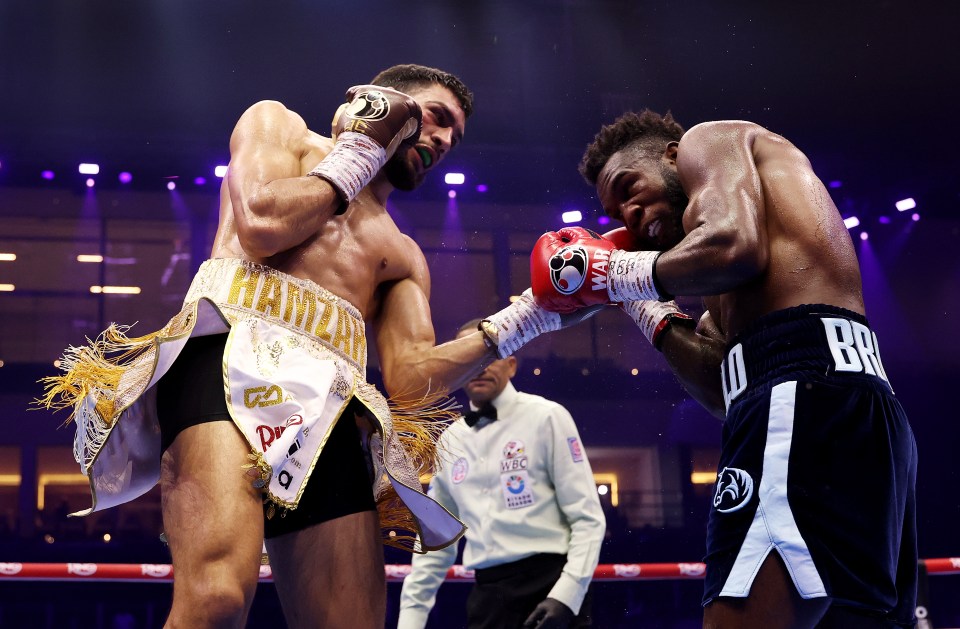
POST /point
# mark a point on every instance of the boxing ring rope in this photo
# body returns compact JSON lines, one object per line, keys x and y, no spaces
{"x":163,"y":573}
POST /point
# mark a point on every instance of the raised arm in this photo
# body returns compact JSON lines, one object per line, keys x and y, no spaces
{"x":726,"y":243}
{"x":275,"y":206}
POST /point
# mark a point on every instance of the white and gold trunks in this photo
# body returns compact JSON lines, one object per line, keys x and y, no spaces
{"x":295,"y":357}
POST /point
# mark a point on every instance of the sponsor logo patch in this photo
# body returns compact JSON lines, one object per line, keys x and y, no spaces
{"x":517,"y":492}
{"x":513,"y":449}
{"x":260,"y":397}
{"x":568,"y":269}
{"x":626,"y":570}
{"x":459,"y":471}
{"x":398,"y":571}
{"x":734,"y":490}
{"x":692,"y":569}
{"x":575,"y":450}
{"x":158,"y":571}
{"x":82,"y":569}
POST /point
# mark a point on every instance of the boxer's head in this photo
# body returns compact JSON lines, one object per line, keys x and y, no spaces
{"x":446,"y":104}
{"x":489,"y":383}
{"x":632,"y":163}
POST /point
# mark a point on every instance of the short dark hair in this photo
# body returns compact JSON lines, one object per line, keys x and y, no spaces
{"x":409,"y":75}
{"x":650,"y":131}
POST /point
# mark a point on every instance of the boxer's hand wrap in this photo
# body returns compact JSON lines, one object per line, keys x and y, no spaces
{"x":367,"y":129}
{"x":523,"y":320}
{"x":654,"y":317}
{"x":631,"y":276}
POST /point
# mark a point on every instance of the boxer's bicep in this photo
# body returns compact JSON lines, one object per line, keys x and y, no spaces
{"x":725,"y":242}
{"x":273,"y":206}
{"x":260,"y":153}
{"x":404,"y":334}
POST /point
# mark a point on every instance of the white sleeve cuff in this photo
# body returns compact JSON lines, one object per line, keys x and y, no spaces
{"x":412,"y":618}
{"x":570,"y":591}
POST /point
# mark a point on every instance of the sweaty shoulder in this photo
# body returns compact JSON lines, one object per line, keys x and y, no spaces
{"x":709,"y":145}
{"x":271,"y":119}
{"x":715,"y":134}
{"x":415,"y":258}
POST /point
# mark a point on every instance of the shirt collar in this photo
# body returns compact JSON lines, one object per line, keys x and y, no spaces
{"x":502,"y":401}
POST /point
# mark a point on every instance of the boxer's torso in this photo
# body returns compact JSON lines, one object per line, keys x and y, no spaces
{"x":811,"y":258}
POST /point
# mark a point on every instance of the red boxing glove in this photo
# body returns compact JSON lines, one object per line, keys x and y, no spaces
{"x":568,"y":269}
{"x":623,"y":239}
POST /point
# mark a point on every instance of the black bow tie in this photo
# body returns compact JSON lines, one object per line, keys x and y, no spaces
{"x":487,"y":410}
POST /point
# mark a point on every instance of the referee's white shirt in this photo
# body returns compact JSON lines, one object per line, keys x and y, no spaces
{"x":523,"y":485}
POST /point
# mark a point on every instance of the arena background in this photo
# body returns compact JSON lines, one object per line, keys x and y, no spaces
{"x":867,"y":89}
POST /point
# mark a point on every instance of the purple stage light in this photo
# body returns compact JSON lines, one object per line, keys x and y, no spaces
{"x":863,"y":236}
{"x":89,"y":169}
{"x":884,"y":220}
{"x":90,"y":182}
{"x":125,"y":177}
{"x":454,"y":179}
{"x":452,"y":194}
{"x":603,"y":220}
{"x":836,"y":183}
{"x":851,"y":222}
{"x":482,"y":187}
{"x":906,"y":204}
{"x":571,"y":216}
{"x":915,"y":216}
{"x":171,"y":185}
{"x":200,"y":181}
{"x":48,"y":175}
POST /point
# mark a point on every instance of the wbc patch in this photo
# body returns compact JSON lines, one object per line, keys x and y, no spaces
{"x":575,"y":450}
{"x":514,"y":478}
{"x":459,"y":471}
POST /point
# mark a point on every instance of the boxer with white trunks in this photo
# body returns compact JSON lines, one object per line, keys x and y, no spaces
{"x":305,"y":256}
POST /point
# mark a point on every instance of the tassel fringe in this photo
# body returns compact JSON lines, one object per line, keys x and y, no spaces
{"x":94,"y":368}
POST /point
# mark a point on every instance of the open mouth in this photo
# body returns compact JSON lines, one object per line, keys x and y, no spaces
{"x":426,"y":157}
{"x":654,"y":229}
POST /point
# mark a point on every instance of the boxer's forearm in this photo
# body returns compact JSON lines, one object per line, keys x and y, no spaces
{"x":422,"y":369}
{"x":695,"y":360}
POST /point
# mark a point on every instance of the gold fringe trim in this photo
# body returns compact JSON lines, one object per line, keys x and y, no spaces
{"x":417,"y":424}
{"x":94,"y":368}
{"x":397,"y":526}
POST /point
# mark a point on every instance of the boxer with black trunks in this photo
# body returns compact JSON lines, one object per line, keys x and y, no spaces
{"x":264,"y":368}
{"x":813,"y":520}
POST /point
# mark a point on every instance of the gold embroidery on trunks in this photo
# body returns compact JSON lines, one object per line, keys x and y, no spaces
{"x":248,"y":286}
{"x":270,"y":296}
